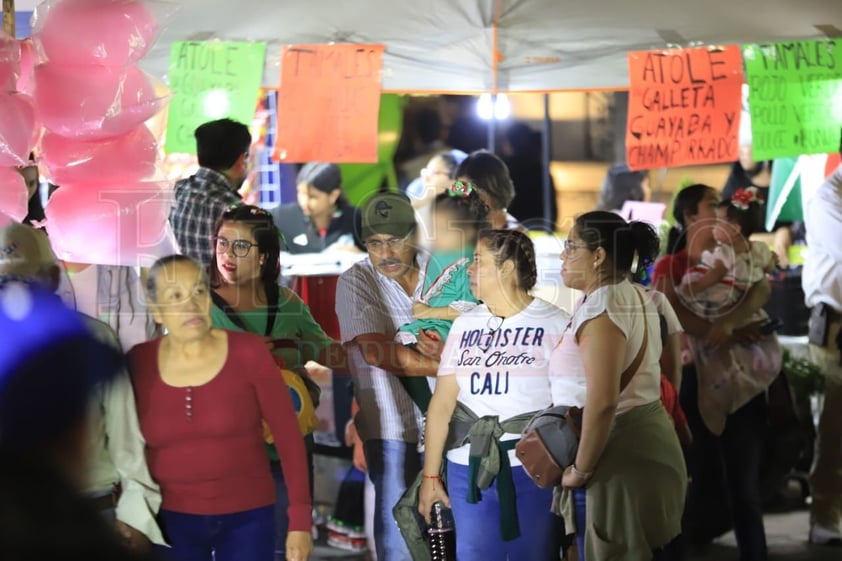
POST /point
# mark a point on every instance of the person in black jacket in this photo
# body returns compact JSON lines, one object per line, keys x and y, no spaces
{"x":322,"y":217}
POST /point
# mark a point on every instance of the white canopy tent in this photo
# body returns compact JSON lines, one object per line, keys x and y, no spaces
{"x":502,"y":45}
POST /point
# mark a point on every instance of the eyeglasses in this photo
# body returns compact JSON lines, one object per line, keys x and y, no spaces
{"x":379,"y":245}
{"x":241,"y":248}
{"x":571,"y":246}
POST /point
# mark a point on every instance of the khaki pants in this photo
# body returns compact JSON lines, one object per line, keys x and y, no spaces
{"x":826,"y":476}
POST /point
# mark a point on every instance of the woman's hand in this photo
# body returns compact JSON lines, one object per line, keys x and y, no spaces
{"x":572,"y":480}
{"x":431,"y":492}
{"x":133,"y":539}
{"x":430,"y":344}
{"x":299,"y":546}
{"x":782,"y":243}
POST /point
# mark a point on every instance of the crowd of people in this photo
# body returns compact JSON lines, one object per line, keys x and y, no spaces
{"x":185,"y":394}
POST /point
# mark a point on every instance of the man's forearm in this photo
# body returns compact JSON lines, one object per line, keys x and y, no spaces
{"x":756,"y":297}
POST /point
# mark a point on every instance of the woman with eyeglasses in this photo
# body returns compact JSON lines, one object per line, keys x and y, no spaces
{"x":244,"y":279}
{"x":202,"y":394}
{"x":493,"y":378}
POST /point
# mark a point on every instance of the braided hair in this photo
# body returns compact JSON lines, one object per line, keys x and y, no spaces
{"x":517,"y":247}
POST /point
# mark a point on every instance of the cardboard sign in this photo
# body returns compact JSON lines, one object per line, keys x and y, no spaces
{"x":211,"y":80}
{"x":795,"y":97}
{"x":684,"y":107}
{"x":328,"y":103}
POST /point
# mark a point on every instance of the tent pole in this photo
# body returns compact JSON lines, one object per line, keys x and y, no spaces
{"x":491,"y":143}
{"x":546,"y":150}
{"x":9,"y":17}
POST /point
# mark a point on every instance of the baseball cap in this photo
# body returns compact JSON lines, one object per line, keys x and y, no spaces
{"x":24,"y":252}
{"x":50,"y":363}
{"x":388,"y":213}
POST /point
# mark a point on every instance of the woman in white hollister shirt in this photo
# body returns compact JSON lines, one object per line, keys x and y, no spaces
{"x":493,"y":378}
{"x":624,"y":494}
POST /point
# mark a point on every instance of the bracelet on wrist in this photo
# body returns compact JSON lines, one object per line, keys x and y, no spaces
{"x":581,"y":474}
{"x":433,"y":477}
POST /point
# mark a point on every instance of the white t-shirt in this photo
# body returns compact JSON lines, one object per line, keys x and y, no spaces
{"x":622,"y":305}
{"x":502,"y":365}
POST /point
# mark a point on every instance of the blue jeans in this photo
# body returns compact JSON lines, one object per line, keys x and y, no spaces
{"x":478,"y":525}
{"x":392,"y":466}
{"x":243,"y":536}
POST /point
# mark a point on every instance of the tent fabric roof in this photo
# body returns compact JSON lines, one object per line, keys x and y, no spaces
{"x":449,"y":45}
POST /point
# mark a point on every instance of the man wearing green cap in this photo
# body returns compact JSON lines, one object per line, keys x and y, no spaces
{"x":373,"y":299}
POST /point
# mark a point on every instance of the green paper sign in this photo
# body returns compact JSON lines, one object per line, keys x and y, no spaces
{"x":211,"y":80}
{"x":795,"y":97}
{"x":784,"y":202}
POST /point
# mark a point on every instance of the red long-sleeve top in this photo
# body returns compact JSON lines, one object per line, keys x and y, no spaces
{"x":212,"y":460}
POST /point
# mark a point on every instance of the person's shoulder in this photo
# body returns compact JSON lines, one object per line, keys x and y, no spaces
{"x":548,"y":309}
{"x":243,"y":343}
{"x":362,"y":270}
{"x":288,"y":299}
{"x":290,"y":210}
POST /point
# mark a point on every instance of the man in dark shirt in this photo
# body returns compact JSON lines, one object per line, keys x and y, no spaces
{"x":321,"y":217}
{"x":222,"y":148}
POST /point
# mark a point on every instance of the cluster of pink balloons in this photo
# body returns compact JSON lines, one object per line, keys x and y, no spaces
{"x":18,"y":132}
{"x":93,"y":102}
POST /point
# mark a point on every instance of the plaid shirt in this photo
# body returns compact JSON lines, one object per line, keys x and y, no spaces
{"x":200,"y":201}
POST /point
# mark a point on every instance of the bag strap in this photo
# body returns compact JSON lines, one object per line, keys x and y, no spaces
{"x":628,"y":374}
{"x":223,"y":305}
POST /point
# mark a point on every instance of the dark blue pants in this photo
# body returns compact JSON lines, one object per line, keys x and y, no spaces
{"x":478,"y":525}
{"x":243,"y":536}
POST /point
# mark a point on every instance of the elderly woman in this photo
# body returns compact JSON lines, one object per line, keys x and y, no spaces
{"x":201,"y":395}
{"x":494,"y":376}
{"x":244,"y":273}
{"x":491,"y":176}
{"x":628,"y":478}
{"x":322,"y":217}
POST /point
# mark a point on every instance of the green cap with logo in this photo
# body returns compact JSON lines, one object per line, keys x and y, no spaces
{"x":388,"y":214}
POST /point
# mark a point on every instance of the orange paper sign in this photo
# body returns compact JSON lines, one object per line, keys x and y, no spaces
{"x":329,"y":103}
{"x":684,"y":107}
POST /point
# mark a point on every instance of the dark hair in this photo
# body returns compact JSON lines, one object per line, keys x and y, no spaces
{"x":268,"y":240}
{"x":325,"y":177}
{"x":620,"y":185}
{"x":450,"y":161}
{"x":490,"y":175}
{"x":621,"y":240}
{"x":428,"y":125}
{"x":514,"y":246}
{"x":469,"y":211}
{"x":219,"y":144}
{"x":749,"y":220}
{"x":523,"y":139}
{"x":687,"y":200}
{"x":163,"y":262}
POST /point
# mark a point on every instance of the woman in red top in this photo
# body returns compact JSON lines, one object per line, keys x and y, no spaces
{"x":739,"y":449}
{"x":201,"y":395}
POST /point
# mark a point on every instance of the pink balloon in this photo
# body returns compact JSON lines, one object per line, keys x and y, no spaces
{"x":18,"y":132}
{"x":121,"y":159}
{"x":113,"y":33}
{"x":109,"y":226}
{"x":94,"y":102}
{"x":14,"y":197}
{"x":9,"y":62}
{"x":28,"y":58}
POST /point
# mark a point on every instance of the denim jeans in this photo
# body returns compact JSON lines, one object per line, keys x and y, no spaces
{"x":282,"y":504}
{"x":243,"y":536}
{"x":478,"y":525}
{"x":731,"y":460}
{"x":392,"y":467}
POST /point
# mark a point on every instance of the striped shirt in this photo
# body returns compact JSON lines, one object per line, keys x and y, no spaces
{"x":370,"y":302}
{"x":200,"y":201}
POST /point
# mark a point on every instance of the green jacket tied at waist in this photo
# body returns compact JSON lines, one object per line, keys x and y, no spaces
{"x":488,"y":460}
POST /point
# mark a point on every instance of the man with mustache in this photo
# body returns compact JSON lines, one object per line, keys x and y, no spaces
{"x":373,"y":299}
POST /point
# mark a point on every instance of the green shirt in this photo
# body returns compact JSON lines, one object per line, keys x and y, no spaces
{"x":294,"y":323}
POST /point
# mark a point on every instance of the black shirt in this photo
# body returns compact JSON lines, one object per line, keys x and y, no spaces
{"x":302,"y":236}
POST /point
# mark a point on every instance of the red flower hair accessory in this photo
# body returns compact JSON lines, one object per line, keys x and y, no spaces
{"x":461,"y":189}
{"x":744,"y":198}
